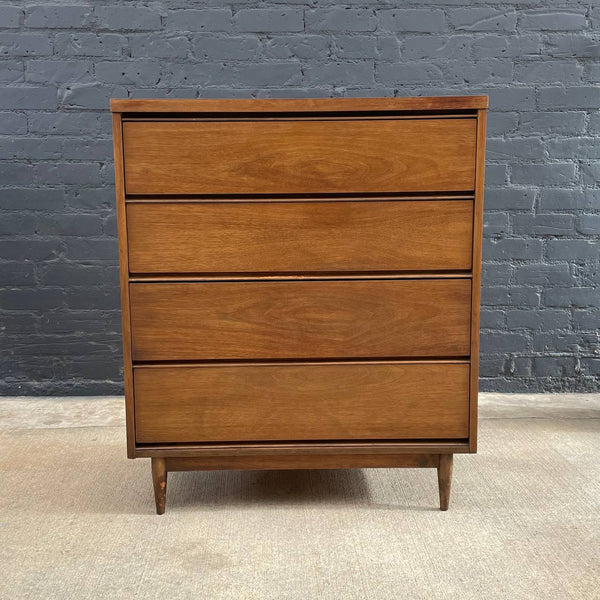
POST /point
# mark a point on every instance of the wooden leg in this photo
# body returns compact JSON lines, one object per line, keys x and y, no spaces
{"x":445,"y":479}
{"x":159,"y":479}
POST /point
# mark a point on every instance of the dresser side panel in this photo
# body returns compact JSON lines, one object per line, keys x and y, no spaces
{"x":476,"y":280}
{"x":124,"y":281}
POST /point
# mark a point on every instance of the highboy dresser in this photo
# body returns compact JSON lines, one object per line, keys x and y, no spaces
{"x":300,"y":282}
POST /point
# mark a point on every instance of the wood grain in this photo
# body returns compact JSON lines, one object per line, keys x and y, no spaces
{"x":299,"y":157}
{"x":317,"y":402}
{"x":300,"y":236}
{"x":300,"y":319}
{"x":316,"y":461}
{"x":269,"y":105}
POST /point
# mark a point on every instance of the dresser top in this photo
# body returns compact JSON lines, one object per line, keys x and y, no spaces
{"x":416,"y":103}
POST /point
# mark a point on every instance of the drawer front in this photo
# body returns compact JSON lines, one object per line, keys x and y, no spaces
{"x":299,"y":157}
{"x":301,"y":402}
{"x":300,"y":319}
{"x":255,"y":237}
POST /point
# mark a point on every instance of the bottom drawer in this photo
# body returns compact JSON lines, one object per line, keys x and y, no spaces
{"x":216,"y":403}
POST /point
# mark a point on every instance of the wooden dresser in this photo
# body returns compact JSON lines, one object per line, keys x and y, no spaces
{"x":300,"y":282}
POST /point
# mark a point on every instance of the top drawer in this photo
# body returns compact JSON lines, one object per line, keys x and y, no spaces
{"x":299,"y":157}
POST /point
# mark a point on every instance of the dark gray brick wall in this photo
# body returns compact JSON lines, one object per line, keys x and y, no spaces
{"x":61,"y":61}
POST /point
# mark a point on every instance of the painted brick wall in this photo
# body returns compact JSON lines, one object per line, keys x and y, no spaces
{"x":61,"y":61}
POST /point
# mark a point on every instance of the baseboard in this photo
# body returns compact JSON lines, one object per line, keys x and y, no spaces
{"x":550,"y":406}
{"x":49,"y":412}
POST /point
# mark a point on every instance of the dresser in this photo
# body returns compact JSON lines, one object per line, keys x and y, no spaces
{"x":300,"y":282}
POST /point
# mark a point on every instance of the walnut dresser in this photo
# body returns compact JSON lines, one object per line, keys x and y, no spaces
{"x":300,"y":282}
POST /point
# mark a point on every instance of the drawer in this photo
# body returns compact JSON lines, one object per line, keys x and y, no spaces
{"x":255,"y":237}
{"x":301,"y":402}
{"x":300,"y":319}
{"x":299,"y":157}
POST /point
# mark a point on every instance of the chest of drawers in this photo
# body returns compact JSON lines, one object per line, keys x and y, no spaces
{"x":300,"y":282}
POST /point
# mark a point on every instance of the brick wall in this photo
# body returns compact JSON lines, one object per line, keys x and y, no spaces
{"x":61,"y":61}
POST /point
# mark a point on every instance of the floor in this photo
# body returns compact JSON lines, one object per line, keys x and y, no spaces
{"x":78,"y":517}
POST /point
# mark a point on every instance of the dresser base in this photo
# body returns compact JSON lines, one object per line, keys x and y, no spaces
{"x":161,"y":466}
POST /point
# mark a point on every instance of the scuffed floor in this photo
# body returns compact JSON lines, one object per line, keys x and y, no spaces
{"x":77,"y":521}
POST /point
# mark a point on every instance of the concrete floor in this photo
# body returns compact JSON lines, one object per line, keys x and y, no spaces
{"x":78,"y":518}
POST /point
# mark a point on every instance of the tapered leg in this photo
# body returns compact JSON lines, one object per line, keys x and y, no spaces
{"x":445,"y":479}
{"x":159,"y":479}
